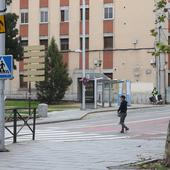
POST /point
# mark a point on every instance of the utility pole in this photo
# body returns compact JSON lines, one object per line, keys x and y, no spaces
{"x":161,"y":59}
{"x":83,"y":54}
{"x":2,"y":82}
{"x":162,"y":84}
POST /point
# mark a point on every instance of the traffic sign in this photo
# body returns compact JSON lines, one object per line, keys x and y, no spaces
{"x":84,"y":81}
{"x":6,"y":66}
{"x":34,"y":63}
{"x":2,"y":24}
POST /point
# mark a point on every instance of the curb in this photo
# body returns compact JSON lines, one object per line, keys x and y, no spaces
{"x":134,"y":165}
{"x":112,"y":110}
{"x":93,"y":112}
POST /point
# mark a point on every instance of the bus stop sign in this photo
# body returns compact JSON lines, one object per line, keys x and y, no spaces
{"x":6,"y":66}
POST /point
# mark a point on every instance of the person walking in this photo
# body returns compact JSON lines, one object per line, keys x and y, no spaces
{"x":122,"y":112}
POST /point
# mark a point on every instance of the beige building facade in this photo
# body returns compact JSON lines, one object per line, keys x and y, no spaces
{"x":133,"y":22}
{"x":117,"y":36}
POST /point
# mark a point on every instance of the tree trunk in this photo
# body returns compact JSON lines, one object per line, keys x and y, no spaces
{"x":167,"y":147}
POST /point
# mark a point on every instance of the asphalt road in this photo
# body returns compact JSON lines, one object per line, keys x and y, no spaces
{"x":148,"y":123}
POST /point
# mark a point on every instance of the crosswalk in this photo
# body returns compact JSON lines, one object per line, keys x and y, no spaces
{"x":57,"y":135}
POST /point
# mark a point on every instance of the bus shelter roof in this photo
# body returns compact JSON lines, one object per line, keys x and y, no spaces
{"x":102,"y":78}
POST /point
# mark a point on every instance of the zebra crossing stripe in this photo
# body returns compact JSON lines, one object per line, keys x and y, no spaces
{"x":65,"y":136}
{"x":54,"y":133}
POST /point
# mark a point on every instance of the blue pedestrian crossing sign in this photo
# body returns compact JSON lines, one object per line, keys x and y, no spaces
{"x":6,"y":66}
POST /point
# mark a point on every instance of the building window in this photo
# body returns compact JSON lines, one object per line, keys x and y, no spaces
{"x":24,"y":17}
{"x":108,"y":12}
{"x":24,"y":43}
{"x":64,"y":14}
{"x":110,"y":75}
{"x":168,"y":79}
{"x":44,"y":15}
{"x":87,"y":14}
{"x":86,"y":43}
{"x":168,"y":16}
{"x":22,"y":83}
{"x":45,"y":43}
{"x":108,"y":42}
{"x":168,"y":40}
{"x":64,"y":44}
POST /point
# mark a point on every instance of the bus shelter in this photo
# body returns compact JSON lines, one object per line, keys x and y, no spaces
{"x":101,"y":91}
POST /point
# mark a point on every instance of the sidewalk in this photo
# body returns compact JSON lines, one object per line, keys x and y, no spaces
{"x":87,"y":155}
{"x":77,"y":114}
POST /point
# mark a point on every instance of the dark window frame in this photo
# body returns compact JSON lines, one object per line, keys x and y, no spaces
{"x":23,"y":85}
{"x":87,"y":14}
{"x":24,"y":43}
{"x":64,"y":44}
{"x":108,"y":42}
{"x":108,"y":12}
{"x":64,"y":15}
{"x":24,"y":18}
{"x":86,"y":43}
{"x":44,"y":42}
{"x":43,"y":16}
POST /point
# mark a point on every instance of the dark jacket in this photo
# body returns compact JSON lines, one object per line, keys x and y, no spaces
{"x":123,"y":107}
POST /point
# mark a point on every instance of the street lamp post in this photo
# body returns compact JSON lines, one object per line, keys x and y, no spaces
{"x":83,"y":53}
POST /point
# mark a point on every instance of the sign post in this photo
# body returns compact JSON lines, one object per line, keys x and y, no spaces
{"x":2,"y":81}
{"x":34,"y":66}
{"x":6,"y":72}
{"x":2,"y":117}
{"x":84,"y":55}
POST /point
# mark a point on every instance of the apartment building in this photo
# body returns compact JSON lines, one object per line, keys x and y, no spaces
{"x":117,"y":38}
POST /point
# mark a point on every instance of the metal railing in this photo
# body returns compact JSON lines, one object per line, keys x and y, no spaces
{"x":21,"y":118}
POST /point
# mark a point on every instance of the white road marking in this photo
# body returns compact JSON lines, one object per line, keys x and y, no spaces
{"x":128,"y":122}
{"x":148,"y":120}
{"x":66,"y":136}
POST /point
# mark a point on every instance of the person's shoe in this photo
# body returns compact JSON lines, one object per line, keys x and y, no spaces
{"x":121,"y":131}
{"x":127,"y":129}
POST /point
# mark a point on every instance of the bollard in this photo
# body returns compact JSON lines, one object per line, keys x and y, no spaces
{"x":34,"y":122}
{"x":15,"y":126}
{"x":43,"y":110}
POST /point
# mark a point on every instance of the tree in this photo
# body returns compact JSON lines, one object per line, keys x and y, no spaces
{"x":57,"y":79}
{"x":161,"y":47}
{"x":160,"y":10}
{"x":12,"y":40}
{"x":167,"y":147}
